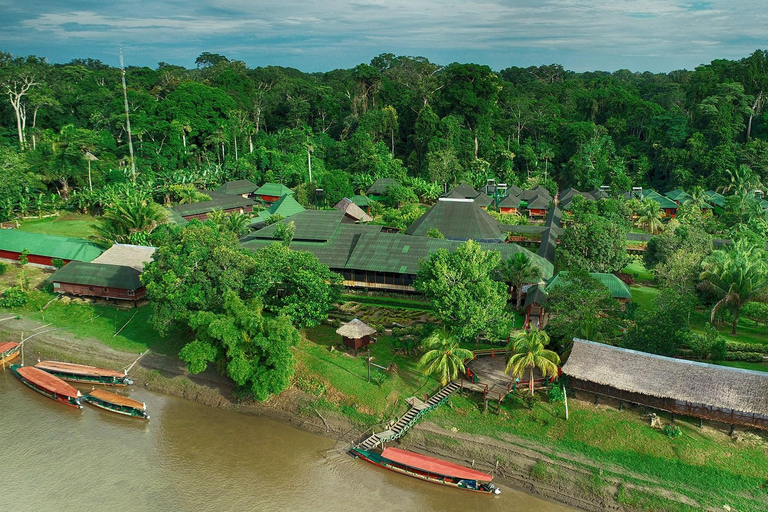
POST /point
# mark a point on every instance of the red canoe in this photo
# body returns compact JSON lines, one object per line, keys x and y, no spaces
{"x":48,"y":385}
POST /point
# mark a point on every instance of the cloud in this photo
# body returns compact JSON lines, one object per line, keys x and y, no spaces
{"x":586,"y":34}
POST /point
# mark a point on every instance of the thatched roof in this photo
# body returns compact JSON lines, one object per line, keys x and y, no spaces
{"x":134,"y":256}
{"x":665,"y":377}
{"x":355,"y":329}
{"x":352,"y":211}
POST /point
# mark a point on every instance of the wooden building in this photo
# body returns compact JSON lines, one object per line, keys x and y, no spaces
{"x":688,"y":388}
{"x":43,"y":249}
{"x":106,"y":281}
{"x":378,"y":190}
{"x":510,"y":204}
{"x":271,"y":192}
{"x":242,"y":188}
{"x":458,"y":219}
{"x":225,"y":203}
{"x":356,"y":334}
{"x":352,"y":211}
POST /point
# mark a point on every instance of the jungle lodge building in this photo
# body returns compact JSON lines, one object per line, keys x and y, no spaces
{"x":687,"y":388}
{"x":458,"y":219}
{"x":364,"y":254}
{"x":43,"y":249}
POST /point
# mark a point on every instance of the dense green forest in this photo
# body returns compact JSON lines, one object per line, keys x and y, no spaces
{"x":63,"y":130}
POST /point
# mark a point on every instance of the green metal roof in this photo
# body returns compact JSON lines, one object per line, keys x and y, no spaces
{"x":286,"y":206}
{"x":312,"y":225}
{"x":63,"y":247}
{"x":174,"y":216}
{"x":237,"y":187}
{"x":714,"y":197}
{"x":379,"y":187}
{"x":617,"y":287}
{"x":530,"y":195}
{"x":366,"y":247}
{"x":678,"y":196}
{"x":663,"y":201}
{"x":98,"y":274}
{"x":361,"y":201}
{"x":217,"y":202}
{"x":273,"y":189}
{"x":457,"y":219}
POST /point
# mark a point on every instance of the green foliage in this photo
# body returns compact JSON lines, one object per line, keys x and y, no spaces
{"x":593,"y":243}
{"x":57,"y":262}
{"x":399,"y":195}
{"x":24,"y":257}
{"x":518,"y":270}
{"x":709,"y":345}
{"x":555,"y":393}
{"x":433,"y":232}
{"x":528,"y":352}
{"x":461,"y":290}
{"x":664,"y":328}
{"x":255,"y":350}
{"x":509,"y":219}
{"x":672,"y":431}
{"x":401,"y":217}
{"x":443,"y":357}
{"x":285,"y":232}
{"x":14,"y":297}
{"x":3,"y":268}
{"x":273,"y":218}
{"x":129,"y":221}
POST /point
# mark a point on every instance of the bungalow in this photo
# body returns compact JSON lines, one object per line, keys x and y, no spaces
{"x":271,"y":192}
{"x":537,"y":207}
{"x":717,"y":200}
{"x":352,"y":211}
{"x":534,"y":306}
{"x":510,"y":204}
{"x":679,"y":196}
{"x":705,"y":391}
{"x":117,"y":282}
{"x":242,"y":188}
{"x":361,"y":201}
{"x":227,"y":204}
{"x":43,"y":249}
{"x":378,"y":190}
{"x":669,"y":206}
{"x":285,"y":207}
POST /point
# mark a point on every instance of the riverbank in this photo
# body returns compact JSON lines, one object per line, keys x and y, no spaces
{"x":518,"y":463}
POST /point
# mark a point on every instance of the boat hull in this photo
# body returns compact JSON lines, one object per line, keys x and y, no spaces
{"x":134,"y":413}
{"x":391,"y":466}
{"x":9,"y":356}
{"x":56,"y":397}
{"x":88,"y":374}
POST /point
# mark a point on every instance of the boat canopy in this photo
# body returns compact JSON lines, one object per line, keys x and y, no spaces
{"x":432,"y":465}
{"x":79,"y":369}
{"x":7,"y":345}
{"x":47,"y":381}
{"x":114,"y":398}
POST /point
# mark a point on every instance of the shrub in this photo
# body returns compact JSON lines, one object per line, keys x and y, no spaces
{"x":57,"y":262}
{"x":672,"y":431}
{"x":751,"y":357}
{"x":735,"y":346}
{"x":13,"y":298}
{"x":3,"y":268}
{"x":528,"y":399}
{"x":555,"y":393}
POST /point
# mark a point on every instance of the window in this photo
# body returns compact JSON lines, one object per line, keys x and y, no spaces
{"x":90,"y":288}
{"x":131,"y":292}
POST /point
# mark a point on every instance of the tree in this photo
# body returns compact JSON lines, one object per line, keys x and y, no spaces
{"x":294,"y":284}
{"x":664,"y":328}
{"x":130,"y":221}
{"x":582,"y":304}
{"x":529,"y":353}
{"x":594,"y":244}
{"x":255,"y":350}
{"x":461,"y":290}
{"x":649,"y":216}
{"x":16,"y":86}
{"x":737,"y":275}
{"x":285,"y":232}
{"x":518,"y":270}
{"x":443,"y":356}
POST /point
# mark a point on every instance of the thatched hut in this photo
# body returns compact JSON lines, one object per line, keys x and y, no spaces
{"x":689,"y":388}
{"x":356,"y":334}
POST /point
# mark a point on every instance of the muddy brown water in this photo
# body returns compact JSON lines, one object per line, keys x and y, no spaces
{"x":193,"y":458}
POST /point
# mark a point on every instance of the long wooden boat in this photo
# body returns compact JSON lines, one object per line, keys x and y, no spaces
{"x":9,"y":351}
{"x":430,"y":469}
{"x":83,"y":373}
{"x":48,"y":385}
{"x":117,"y":403}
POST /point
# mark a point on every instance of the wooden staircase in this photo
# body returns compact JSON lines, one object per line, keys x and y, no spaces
{"x":407,"y":420}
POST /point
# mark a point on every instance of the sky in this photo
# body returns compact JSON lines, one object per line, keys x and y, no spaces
{"x":321,"y":35}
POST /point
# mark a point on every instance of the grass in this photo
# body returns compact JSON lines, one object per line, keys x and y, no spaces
{"x":747,"y":331}
{"x":638,"y":271}
{"x":745,"y":365}
{"x":704,"y":463}
{"x":73,"y":224}
{"x":644,"y":296}
{"x":389,"y":302}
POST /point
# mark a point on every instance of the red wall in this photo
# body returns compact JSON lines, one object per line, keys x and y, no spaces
{"x":204,"y":216}
{"x":507,"y":210}
{"x":33,"y":258}
{"x":98,"y":291}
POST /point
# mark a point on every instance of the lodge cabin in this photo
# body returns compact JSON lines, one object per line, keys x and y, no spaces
{"x":709,"y":392}
{"x":271,"y":192}
{"x":43,"y":249}
{"x":458,"y":219}
{"x":285,"y":207}
{"x":667,"y":205}
{"x":356,"y":334}
{"x":242,"y":188}
{"x":365,"y":255}
{"x":537,"y":208}
{"x":510,"y":205}
{"x":225,"y":203}
{"x":378,"y":190}
{"x":361,"y":201}
{"x":114,"y":282}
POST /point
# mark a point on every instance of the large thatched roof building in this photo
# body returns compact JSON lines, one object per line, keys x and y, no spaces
{"x":458,"y":219}
{"x":720,"y":393}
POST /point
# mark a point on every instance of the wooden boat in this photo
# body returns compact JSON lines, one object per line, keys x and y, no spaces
{"x":430,"y":469}
{"x":9,"y":351}
{"x":83,"y":373}
{"x":48,"y":385}
{"x":116,"y":403}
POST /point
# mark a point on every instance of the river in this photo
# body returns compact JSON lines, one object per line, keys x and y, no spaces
{"x":193,"y":458}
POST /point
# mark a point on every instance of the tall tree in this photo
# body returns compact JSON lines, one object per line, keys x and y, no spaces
{"x":528,"y":352}
{"x":518,"y":270}
{"x":443,"y":357}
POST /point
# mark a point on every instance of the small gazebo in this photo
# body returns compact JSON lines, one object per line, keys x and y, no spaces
{"x":356,"y":334}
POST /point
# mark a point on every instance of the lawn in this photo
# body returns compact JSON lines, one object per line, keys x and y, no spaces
{"x":759,"y":367}
{"x":73,"y":224}
{"x":643,"y":296}
{"x":638,"y":271}
{"x":390,"y":302}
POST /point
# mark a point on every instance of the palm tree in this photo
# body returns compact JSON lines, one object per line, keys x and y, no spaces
{"x":444,"y":357}
{"x":737,"y":274}
{"x":650,"y":216}
{"x":125,"y":220}
{"x":517,"y":271}
{"x":529,"y":353}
